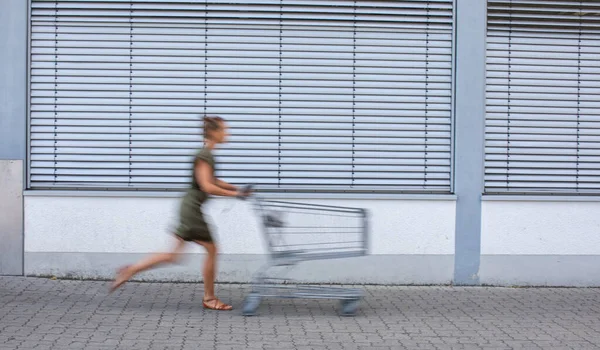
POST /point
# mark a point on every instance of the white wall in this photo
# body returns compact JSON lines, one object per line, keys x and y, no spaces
{"x":113,"y":226}
{"x":540,"y":243}
{"x":540,"y":228}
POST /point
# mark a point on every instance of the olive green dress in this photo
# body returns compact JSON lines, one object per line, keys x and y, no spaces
{"x":192,"y":226}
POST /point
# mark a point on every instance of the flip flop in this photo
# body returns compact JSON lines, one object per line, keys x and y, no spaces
{"x":217,"y":305}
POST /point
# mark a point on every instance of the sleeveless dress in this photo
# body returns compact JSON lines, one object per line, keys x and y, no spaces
{"x":192,"y":225}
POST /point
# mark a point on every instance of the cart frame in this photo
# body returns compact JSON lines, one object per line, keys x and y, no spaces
{"x":266,"y":284}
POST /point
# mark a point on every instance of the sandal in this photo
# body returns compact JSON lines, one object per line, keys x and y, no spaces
{"x":115,"y":285}
{"x":216,"y":305}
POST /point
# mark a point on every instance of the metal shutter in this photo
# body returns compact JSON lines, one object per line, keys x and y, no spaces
{"x":320,"y":95}
{"x":543,"y":97}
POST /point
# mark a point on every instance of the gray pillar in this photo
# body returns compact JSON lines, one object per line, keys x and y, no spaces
{"x":469,"y":151}
{"x":13,"y":132}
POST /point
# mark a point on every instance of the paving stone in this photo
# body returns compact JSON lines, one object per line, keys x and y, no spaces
{"x":37,"y":313}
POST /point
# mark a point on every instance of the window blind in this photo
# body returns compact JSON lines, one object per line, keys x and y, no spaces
{"x":320,"y":96}
{"x":543,"y":97}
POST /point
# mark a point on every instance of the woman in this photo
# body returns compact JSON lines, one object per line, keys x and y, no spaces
{"x":192,"y":226}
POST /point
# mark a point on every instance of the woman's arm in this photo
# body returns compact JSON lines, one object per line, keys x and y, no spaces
{"x":225,"y":185}
{"x":205,"y":179}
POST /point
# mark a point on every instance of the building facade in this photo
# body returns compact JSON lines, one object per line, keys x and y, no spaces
{"x":470,"y":131}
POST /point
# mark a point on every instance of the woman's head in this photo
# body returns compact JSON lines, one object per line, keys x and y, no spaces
{"x":215,"y":129}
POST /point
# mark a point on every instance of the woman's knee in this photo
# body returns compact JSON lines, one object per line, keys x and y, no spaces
{"x":210,"y":247}
{"x":172,"y":258}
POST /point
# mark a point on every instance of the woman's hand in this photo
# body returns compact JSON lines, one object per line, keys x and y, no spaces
{"x":244,"y":192}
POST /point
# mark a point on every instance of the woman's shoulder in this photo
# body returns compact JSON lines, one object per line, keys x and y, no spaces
{"x":205,"y":154}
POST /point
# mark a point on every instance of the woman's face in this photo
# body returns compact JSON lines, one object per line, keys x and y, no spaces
{"x":221,"y":135}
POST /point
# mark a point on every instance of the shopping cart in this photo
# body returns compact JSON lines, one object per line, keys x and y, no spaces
{"x":297,"y":232}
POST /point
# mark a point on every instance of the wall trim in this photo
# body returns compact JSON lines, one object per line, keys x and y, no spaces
{"x":540,"y":270}
{"x":238,"y":268}
{"x":177,"y":194}
{"x":540,"y":198}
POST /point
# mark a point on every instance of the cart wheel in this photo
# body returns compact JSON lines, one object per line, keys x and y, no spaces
{"x":349,"y":306}
{"x":251,"y":304}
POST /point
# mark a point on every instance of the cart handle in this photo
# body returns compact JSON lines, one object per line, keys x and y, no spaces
{"x":244,"y":191}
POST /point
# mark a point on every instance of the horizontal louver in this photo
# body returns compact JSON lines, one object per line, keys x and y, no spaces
{"x":543,"y":97}
{"x":327,"y":96}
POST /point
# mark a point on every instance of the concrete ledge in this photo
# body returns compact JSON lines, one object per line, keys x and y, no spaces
{"x":373,"y":269}
{"x":540,"y":198}
{"x":540,"y":270}
{"x":138,"y":193}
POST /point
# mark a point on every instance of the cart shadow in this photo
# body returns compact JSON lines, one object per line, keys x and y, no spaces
{"x":268,"y":308}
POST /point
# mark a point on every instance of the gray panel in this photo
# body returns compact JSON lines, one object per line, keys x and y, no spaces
{"x":13,"y":79}
{"x":469,"y":137}
{"x":11,"y":217}
{"x":391,"y":269}
{"x":541,"y":270}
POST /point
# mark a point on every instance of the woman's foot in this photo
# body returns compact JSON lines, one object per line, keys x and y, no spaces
{"x":215,"y":304}
{"x":120,"y":279}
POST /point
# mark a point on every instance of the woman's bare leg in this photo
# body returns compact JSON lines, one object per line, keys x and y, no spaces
{"x":208,"y":271}
{"x":127,"y":272}
{"x":210,"y":265}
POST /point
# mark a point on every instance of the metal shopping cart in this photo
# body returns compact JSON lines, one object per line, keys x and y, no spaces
{"x":297,"y":232}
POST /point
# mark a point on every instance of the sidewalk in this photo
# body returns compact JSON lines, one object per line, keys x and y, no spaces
{"x":40,"y":313}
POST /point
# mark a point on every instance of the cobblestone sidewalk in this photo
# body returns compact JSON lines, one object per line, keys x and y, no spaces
{"x":40,"y":313}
